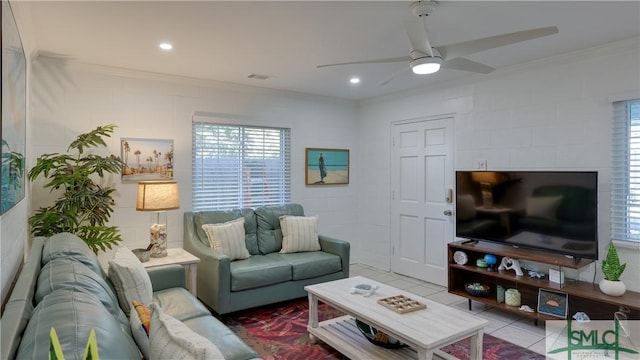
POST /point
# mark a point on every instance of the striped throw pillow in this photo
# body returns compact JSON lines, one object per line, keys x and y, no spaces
{"x":228,"y":238}
{"x":130,"y":279}
{"x":171,"y":339}
{"x":299,"y":233}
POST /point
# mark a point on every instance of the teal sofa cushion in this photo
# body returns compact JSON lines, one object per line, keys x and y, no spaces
{"x":307,"y":265}
{"x":269,"y":232}
{"x":74,"y":314}
{"x":70,"y":246}
{"x":222,"y":337}
{"x":68,"y":274}
{"x":258,"y":271}
{"x":217,"y":217}
{"x":179,"y":304}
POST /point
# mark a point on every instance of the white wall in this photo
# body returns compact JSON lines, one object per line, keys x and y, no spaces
{"x":551,"y":114}
{"x":70,"y":99}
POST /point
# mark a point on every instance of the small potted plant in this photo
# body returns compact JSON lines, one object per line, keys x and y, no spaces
{"x":612,"y":269}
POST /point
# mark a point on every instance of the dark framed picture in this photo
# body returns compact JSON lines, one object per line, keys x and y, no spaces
{"x":326,"y":166}
{"x":552,"y":303}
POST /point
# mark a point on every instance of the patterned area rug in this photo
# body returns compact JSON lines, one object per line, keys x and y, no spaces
{"x":279,"y":331}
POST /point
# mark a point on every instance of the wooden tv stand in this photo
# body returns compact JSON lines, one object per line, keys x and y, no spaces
{"x":582,"y":296}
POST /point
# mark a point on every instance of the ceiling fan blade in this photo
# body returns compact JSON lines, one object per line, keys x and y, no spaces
{"x":418,"y":37}
{"x":474,"y":46}
{"x":375,"y":61}
{"x":467,"y":65}
{"x":392,"y":76}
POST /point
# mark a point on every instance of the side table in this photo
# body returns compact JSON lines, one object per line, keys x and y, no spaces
{"x":181,"y":257}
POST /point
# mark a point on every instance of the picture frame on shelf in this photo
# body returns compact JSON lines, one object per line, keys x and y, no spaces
{"x":553,"y":303}
{"x":146,"y":159}
{"x":326,"y":166}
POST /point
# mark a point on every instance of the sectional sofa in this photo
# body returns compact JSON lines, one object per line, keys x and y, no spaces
{"x":63,"y":286}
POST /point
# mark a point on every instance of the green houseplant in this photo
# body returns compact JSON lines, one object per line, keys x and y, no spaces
{"x":84,"y":206}
{"x":612,"y":269}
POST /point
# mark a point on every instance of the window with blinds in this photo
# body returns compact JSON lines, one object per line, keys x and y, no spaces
{"x":240,"y":166}
{"x":625,"y":178}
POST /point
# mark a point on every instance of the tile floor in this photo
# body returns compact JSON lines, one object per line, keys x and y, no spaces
{"x":510,"y":327}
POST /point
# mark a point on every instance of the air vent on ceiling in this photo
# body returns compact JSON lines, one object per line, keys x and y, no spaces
{"x":258,"y":76}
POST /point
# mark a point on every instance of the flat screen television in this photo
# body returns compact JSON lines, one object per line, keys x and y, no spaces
{"x":553,"y":211}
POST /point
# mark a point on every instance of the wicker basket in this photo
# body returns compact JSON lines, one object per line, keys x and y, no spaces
{"x":475,"y":291}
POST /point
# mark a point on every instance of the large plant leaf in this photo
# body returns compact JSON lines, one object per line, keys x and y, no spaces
{"x":92,"y":138}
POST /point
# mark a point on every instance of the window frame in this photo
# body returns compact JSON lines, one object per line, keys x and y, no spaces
{"x":265,"y":151}
{"x":625,"y":175}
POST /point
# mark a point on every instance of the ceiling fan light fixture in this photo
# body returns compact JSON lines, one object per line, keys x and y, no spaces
{"x":426,"y":65}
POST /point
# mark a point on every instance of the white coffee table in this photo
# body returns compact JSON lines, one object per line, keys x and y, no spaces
{"x":425,"y":331}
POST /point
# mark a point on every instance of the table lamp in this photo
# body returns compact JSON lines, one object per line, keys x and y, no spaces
{"x":158,"y":196}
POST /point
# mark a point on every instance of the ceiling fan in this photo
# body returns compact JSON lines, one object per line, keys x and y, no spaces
{"x":425,"y":59}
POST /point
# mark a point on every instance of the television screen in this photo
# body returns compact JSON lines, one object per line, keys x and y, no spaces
{"x":555,"y":211}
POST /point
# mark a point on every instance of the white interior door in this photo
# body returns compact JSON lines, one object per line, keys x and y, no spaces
{"x":421,"y":206}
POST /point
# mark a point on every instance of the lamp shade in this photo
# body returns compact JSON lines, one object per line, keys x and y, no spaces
{"x":157,"y":196}
{"x":486,"y":177}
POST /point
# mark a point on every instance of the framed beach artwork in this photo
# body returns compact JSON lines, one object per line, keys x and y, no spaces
{"x":552,"y":303}
{"x":13,"y":112}
{"x":326,"y":166}
{"x":146,"y":159}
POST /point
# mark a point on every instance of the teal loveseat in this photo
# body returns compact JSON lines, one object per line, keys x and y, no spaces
{"x":267,"y":276}
{"x":62,"y":285}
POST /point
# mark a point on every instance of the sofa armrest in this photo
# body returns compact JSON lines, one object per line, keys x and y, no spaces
{"x":214,"y":270}
{"x":166,"y":277}
{"x":337,"y":247}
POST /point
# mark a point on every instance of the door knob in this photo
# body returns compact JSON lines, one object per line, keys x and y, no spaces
{"x":448,"y":212}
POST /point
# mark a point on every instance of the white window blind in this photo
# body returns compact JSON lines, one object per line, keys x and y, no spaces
{"x":625,"y":179}
{"x":240,"y":166}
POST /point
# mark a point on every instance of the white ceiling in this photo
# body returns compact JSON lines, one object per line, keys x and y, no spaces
{"x":227,"y":41}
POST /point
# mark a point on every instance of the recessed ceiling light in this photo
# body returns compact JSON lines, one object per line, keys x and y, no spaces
{"x":354,"y":80}
{"x":166,"y":46}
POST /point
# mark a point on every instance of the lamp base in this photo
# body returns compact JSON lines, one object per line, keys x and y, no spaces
{"x":158,"y":240}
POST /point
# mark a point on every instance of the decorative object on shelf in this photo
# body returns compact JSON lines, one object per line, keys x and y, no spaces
{"x":612,"y":269}
{"x":552,"y":303}
{"x":499,"y":294}
{"x":526,"y":308}
{"x":491,"y":261}
{"x":508,"y":263}
{"x":536,"y":274}
{"x":401,"y":304}
{"x":158,"y":196}
{"x":622,"y":319}
{"x":556,"y":276}
{"x":477,"y":289}
{"x":481,"y":263}
{"x":512,"y":297}
{"x":143,"y":254}
{"x":581,"y":317}
{"x":84,"y":206}
{"x":378,"y":337}
{"x":460,"y":257}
